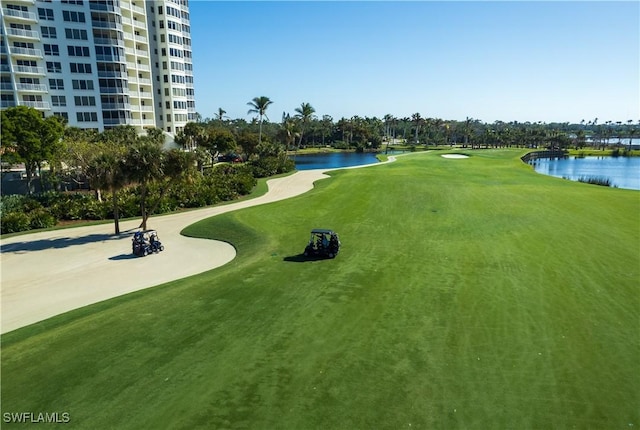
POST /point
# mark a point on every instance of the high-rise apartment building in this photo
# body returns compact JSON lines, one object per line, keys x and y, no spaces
{"x":99,"y":63}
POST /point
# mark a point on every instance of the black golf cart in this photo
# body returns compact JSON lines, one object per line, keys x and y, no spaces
{"x":323,"y":243}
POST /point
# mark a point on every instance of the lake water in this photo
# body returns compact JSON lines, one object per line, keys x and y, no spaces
{"x":623,"y":172}
{"x":333,"y":160}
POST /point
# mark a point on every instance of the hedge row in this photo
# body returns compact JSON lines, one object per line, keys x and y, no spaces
{"x":223,"y":183}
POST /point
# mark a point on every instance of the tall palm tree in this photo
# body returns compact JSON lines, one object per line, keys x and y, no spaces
{"x":107,"y":172}
{"x":259,"y":105}
{"x":304,"y":113}
{"x":220,"y":116}
{"x":417,"y":119}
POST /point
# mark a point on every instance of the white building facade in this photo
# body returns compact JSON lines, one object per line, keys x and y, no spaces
{"x":99,"y":63}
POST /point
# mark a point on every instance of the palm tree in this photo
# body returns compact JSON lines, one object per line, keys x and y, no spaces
{"x":304,"y":113}
{"x":220,"y":116}
{"x":144,"y":165}
{"x":107,"y":172}
{"x":417,"y":119}
{"x":259,"y":105}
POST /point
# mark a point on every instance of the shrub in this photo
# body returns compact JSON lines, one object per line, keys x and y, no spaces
{"x":14,"y":222}
{"x":41,"y":218}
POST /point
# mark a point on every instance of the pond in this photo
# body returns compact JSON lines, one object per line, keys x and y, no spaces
{"x":623,"y":172}
{"x":334,"y":160}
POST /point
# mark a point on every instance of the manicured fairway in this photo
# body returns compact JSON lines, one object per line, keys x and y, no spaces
{"x":468,"y":293}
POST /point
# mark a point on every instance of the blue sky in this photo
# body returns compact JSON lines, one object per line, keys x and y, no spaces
{"x":522,"y":61}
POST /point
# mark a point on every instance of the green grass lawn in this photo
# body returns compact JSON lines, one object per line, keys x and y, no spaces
{"x":468,"y":293}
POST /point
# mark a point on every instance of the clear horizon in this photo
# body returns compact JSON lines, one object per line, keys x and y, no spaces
{"x":507,"y":61}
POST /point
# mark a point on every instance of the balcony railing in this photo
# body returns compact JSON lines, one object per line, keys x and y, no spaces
{"x":5,"y":68}
{"x":142,"y":108}
{"x":114,"y":90}
{"x":19,"y":32}
{"x":37,"y":88}
{"x":6,"y":86}
{"x":30,"y":16}
{"x":116,"y":106}
{"x":111,"y":58}
{"x":104,"y":7}
{"x":139,"y":121}
{"x":36,"y":105}
{"x":27,"y":52}
{"x":107,"y":41}
{"x":112,"y":74}
{"x":107,"y":24}
{"x":31,"y":70}
{"x":8,"y":103}
{"x":116,"y":121}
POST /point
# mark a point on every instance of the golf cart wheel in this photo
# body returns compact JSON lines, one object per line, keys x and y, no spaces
{"x":145,"y":253}
{"x":161,"y":247}
{"x":331,"y":255}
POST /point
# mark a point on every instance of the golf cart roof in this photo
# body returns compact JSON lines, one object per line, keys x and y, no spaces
{"x":321,"y":231}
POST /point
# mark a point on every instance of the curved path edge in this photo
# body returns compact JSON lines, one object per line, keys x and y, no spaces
{"x":49,"y":273}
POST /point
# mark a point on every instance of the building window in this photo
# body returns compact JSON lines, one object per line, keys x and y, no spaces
{"x":80,"y":84}
{"x":45,"y":14}
{"x":84,"y":100}
{"x":54,"y":67}
{"x":51,"y":49}
{"x":80,"y":68}
{"x":71,"y":16}
{"x":48,"y":32}
{"x":87,"y":116}
{"x":78,"y":51}
{"x":74,"y":33}
{"x":56,"y":84}
{"x":78,"y":2}
{"x":64,"y":115}
{"x":58,"y":101}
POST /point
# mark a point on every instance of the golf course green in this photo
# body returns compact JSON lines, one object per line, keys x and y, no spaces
{"x":468,"y":293}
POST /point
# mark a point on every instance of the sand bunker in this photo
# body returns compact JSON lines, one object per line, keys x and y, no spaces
{"x":454,"y":156}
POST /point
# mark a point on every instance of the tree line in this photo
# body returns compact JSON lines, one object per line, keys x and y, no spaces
{"x":306,"y":129}
{"x":118,"y":163}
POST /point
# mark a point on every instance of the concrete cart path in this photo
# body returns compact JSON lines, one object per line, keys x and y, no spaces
{"x":48,"y":273}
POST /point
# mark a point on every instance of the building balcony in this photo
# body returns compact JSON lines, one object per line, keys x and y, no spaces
{"x":31,"y":88}
{"x":26,"y":52}
{"x":114,"y":90}
{"x":36,"y":105}
{"x":137,"y":9}
{"x":116,"y":106}
{"x":8,"y":103}
{"x":24,"y":34}
{"x":136,"y":66}
{"x":112,"y":74}
{"x":20,"y":15}
{"x":107,"y":24}
{"x":105,"y":7}
{"x":141,"y":108}
{"x":141,"y":94}
{"x":107,"y":41}
{"x":139,"y":24}
{"x":5,"y":68}
{"x":29,"y":70}
{"x":116,"y":121}
{"x":110,"y":59}
{"x":140,"y":121}
{"x":6,"y":86}
{"x":140,"y":39}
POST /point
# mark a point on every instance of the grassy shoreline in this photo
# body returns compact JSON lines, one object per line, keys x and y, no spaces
{"x":468,"y":293}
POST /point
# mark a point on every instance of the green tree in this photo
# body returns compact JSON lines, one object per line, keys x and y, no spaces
{"x":259,"y":105}
{"x":28,"y":138}
{"x":107,"y":172}
{"x":144,"y":165}
{"x":304,"y":114}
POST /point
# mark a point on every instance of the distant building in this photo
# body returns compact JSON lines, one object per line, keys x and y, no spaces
{"x":99,"y":63}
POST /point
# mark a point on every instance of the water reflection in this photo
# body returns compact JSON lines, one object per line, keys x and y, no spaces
{"x":622,"y":172}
